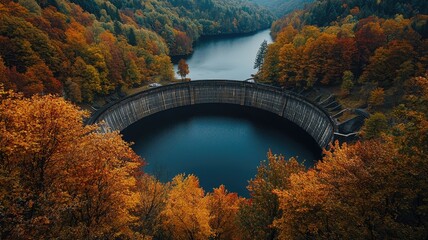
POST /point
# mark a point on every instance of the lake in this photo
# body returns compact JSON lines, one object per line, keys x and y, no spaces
{"x":225,"y":57}
{"x":219,"y":143}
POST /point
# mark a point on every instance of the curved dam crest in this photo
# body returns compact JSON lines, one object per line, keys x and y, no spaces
{"x":304,"y":113}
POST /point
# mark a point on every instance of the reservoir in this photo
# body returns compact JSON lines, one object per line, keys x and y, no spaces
{"x":219,"y":143}
{"x":229,"y":57}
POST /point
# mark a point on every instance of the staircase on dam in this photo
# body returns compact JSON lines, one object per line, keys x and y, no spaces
{"x":349,"y":127}
{"x":316,"y":114}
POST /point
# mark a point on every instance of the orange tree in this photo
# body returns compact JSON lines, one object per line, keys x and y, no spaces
{"x":183,"y":69}
{"x":369,"y":190}
{"x":58,"y":177}
{"x":186,"y":211}
{"x":255,"y":216}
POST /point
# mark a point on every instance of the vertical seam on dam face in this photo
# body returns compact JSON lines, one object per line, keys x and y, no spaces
{"x":291,"y":106}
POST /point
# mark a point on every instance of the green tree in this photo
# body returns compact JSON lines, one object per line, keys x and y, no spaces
{"x":31,"y":5}
{"x":132,"y":39}
{"x":133,"y":75}
{"x":258,"y":63}
{"x":375,"y":125}
{"x":347,"y":82}
{"x":87,"y":77}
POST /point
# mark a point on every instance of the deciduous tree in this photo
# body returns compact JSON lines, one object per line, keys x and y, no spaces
{"x":186,"y":212}
{"x":376,"y":98}
{"x":258,"y":213}
{"x":363,"y":191}
{"x":62,"y":178}
{"x":223,"y":207}
{"x":387,"y":62}
{"x":183,"y":69}
{"x":347,"y":82}
{"x":374,"y":126}
{"x":152,"y":199}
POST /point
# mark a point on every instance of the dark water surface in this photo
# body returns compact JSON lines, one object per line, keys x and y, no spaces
{"x":219,"y":143}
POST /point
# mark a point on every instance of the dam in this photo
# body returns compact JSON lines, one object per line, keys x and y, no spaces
{"x":306,"y":114}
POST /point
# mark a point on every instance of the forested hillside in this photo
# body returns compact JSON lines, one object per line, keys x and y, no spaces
{"x":85,"y":49}
{"x":282,"y":7}
{"x":371,"y":55}
{"x":181,"y":22}
{"x":324,"y":13}
{"x":62,"y":179}
{"x":383,"y":50}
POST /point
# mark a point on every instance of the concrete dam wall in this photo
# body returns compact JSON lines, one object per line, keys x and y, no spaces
{"x":304,"y":113}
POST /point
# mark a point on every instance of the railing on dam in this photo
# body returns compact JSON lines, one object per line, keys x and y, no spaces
{"x":306,"y":114}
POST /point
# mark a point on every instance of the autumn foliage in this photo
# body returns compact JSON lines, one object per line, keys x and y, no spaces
{"x":59,"y":178}
{"x":256,"y":215}
{"x":183,"y":69}
{"x":377,"y":51}
{"x":62,"y":179}
{"x":69,"y":52}
{"x":365,"y":191}
{"x":86,"y":50}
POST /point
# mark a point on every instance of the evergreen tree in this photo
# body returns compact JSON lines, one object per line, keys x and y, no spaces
{"x":261,"y":55}
{"x":132,"y":39}
{"x":117,"y":28}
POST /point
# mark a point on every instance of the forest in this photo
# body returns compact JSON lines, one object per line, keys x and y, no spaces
{"x":85,"y":50}
{"x":282,"y":7}
{"x":62,"y":179}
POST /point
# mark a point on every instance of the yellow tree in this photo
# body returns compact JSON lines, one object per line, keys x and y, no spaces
{"x":257,"y":215}
{"x":365,"y":191}
{"x":186,"y":212}
{"x":320,"y":59}
{"x":162,"y":67}
{"x":288,"y":63}
{"x":375,"y":189}
{"x":377,"y":97}
{"x":33,"y":133}
{"x":223,"y":207}
{"x":152,"y":199}
{"x":100,"y":182}
{"x":270,"y":71}
{"x":59,"y":178}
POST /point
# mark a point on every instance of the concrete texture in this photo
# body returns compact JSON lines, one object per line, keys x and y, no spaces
{"x":306,"y":114}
